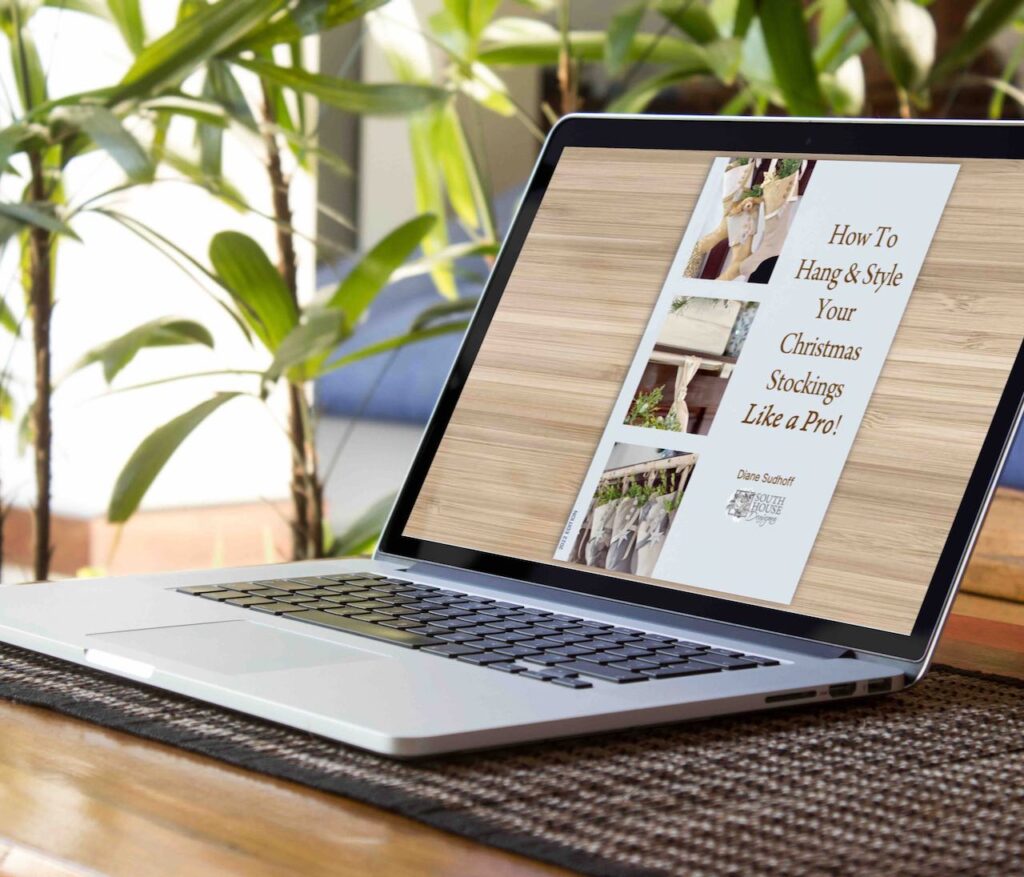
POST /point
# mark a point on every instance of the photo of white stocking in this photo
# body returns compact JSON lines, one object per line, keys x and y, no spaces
{"x":684,"y":374}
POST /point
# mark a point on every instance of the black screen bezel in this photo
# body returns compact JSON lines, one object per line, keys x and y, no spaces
{"x":725,"y":136}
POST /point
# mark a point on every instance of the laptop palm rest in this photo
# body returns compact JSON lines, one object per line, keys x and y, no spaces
{"x":230,"y":647}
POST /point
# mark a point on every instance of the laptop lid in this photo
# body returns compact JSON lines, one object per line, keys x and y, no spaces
{"x":758,"y":371}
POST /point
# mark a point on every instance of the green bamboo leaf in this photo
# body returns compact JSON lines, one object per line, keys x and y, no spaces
{"x":127,"y":15}
{"x":370,"y":275}
{"x":621,"y":33}
{"x":152,"y":455}
{"x":450,"y":254}
{"x":360,"y":537}
{"x":789,"y":47}
{"x":636,"y":99}
{"x":586,"y":46}
{"x":430,"y":196}
{"x":308,"y":17}
{"x":348,"y":95}
{"x":1013,"y":63}
{"x":28,"y":214}
{"x":210,"y":137}
{"x":6,"y":405}
{"x":472,"y":16}
{"x":7,"y":318}
{"x":95,"y":8}
{"x":392,"y":343}
{"x":29,"y":73}
{"x":117,"y":353}
{"x":515,"y":29}
{"x":305,"y":348}
{"x":210,"y":30}
{"x":443,"y":311}
{"x":985,"y":20}
{"x":459,"y":170}
{"x":209,"y":112}
{"x":108,"y":133}
{"x":255,"y":284}
{"x":903,"y":34}
{"x":693,"y":19}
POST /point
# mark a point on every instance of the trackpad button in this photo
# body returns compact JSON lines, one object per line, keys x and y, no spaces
{"x":232,"y":647}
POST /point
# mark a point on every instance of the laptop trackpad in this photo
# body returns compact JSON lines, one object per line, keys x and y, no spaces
{"x":232,"y":647}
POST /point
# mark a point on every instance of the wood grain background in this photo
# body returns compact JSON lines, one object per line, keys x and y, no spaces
{"x":536,"y":403}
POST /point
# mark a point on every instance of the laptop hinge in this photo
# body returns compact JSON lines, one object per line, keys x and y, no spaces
{"x":630,"y":612}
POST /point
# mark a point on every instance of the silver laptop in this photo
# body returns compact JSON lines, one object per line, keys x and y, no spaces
{"x":719,"y":438}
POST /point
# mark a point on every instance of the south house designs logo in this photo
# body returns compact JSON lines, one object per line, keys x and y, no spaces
{"x":760,"y":508}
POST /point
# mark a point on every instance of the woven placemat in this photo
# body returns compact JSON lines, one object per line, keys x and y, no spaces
{"x":926,"y":782}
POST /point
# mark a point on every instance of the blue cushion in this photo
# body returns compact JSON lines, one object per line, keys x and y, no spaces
{"x":1013,"y":471}
{"x":401,"y":385}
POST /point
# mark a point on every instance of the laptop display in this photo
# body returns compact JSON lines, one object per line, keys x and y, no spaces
{"x":759,"y":377}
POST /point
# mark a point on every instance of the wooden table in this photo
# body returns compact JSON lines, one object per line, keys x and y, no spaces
{"x":76,"y":798}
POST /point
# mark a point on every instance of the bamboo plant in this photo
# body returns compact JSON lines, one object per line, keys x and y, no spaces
{"x":298,"y":338}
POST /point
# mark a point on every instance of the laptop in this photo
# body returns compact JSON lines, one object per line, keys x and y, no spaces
{"x":720,"y":438}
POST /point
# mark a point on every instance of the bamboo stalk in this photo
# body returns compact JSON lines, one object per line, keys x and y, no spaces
{"x":40,"y":292}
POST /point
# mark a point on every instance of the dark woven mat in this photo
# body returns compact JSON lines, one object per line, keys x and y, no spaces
{"x":927,"y":782}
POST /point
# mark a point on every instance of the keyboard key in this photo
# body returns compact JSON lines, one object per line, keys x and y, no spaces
{"x":671,"y":671}
{"x":452,"y":650}
{"x":517,"y":651}
{"x":248,"y":601}
{"x":483,"y":659}
{"x":370,"y":617}
{"x":546,"y":660}
{"x":609,"y":674}
{"x":725,"y":661}
{"x":629,"y":652}
{"x":458,"y":637}
{"x":482,"y":629}
{"x":423,"y":629}
{"x":569,"y":682}
{"x":451,"y":623}
{"x":293,"y":598}
{"x":361,"y":628}
{"x":542,"y":675}
{"x":507,"y":667}
{"x":400,"y":624}
{"x":726,"y":652}
{"x":268,"y":592}
{"x":224,"y":594}
{"x":634,"y":664}
{"x":679,"y":652}
{"x":603,"y":658}
{"x":200,"y":589}
{"x":510,"y":636}
{"x":763,"y":662}
{"x":570,"y":639}
{"x":276,"y":608}
{"x":318,"y":604}
{"x":368,"y":604}
{"x":344,"y":611}
{"x":573,"y":651}
{"x":395,"y":611}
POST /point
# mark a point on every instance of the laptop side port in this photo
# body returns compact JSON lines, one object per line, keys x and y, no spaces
{"x":845,"y":689}
{"x":879,"y":686}
{"x":792,"y":695}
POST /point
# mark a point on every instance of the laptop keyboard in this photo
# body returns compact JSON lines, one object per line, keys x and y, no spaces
{"x":534,"y":643}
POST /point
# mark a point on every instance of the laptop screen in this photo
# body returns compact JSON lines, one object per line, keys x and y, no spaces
{"x":759,"y":377}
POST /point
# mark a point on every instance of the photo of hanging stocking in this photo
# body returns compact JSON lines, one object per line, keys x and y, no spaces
{"x":624,"y":526}
{"x":601,"y":534}
{"x":684,"y":374}
{"x":735,"y":181}
{"x":651,"y":532}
